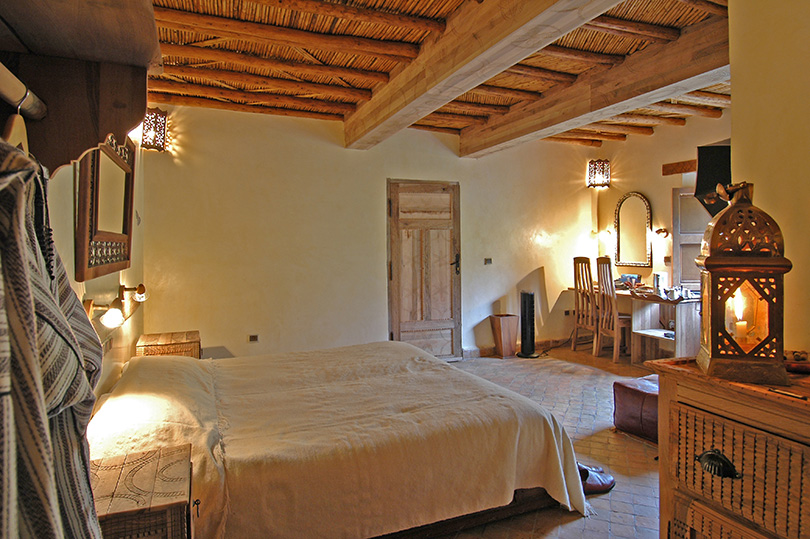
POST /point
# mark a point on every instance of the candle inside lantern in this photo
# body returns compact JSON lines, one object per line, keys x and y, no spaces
{"x":741,"y":326}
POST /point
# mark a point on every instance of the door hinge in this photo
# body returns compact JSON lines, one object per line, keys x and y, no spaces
{"x":390,"y":271}
{"x":389,"y":208}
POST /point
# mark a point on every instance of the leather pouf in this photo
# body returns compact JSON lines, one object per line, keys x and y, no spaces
{"x":635,"y":406}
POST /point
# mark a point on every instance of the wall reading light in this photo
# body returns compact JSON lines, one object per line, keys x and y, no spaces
{"x":140,"y":294}
{"x":599,"y":173}
{"x":115,"y":314}
{"x":114,"y":317}
{"x":153,"y":136}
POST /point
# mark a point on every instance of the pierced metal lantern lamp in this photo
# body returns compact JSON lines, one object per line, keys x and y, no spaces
{"x":598,"y":173}
{"x":153,"y":136}
{"x":742,"y":267}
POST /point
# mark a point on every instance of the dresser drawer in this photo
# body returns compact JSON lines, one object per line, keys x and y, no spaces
{"x":773,"y":490}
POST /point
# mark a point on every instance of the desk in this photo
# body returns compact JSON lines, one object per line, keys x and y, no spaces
{"x":647,"y":334}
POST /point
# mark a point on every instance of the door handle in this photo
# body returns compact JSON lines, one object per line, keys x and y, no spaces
{"x":457,"y":263}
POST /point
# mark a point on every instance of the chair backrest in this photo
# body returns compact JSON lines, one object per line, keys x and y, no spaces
{"x":584,"y":307}
{"x":606,"y":294}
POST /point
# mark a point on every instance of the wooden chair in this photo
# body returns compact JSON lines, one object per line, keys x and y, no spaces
{"x":584,"y":299}
{"x":610,"y":321}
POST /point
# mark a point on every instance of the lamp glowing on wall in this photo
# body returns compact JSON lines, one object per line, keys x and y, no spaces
{"x":153,"y":134}
{"x":115,"y":313}
{"x":114,"y":317}
{"x":599,"y":173}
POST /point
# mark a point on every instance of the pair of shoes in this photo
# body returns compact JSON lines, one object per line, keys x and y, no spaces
{"x":596,"y":482}
{"x":587,"y":468}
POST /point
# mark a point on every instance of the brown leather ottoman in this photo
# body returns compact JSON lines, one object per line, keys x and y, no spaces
{"x":635,"y":406}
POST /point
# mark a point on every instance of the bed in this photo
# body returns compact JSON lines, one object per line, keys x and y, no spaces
{"x":358,"y":441}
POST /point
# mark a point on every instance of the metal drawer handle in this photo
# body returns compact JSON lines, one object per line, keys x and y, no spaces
{"x":717,"y":464}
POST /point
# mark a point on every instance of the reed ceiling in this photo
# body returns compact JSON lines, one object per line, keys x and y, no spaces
{"x":494,"y":72}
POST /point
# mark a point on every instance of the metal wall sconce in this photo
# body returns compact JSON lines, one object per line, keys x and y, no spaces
{"x":153,"y":136}
{"x":115,"y":313}
{"x":598,"y":173}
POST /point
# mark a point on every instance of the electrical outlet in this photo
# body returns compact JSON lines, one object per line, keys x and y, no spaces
{"x":567,"y":313}
{"x":487,"y":261}
{"x":253,"y":338}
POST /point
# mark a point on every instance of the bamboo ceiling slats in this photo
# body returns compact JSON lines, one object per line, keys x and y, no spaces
{"x":325,"y":58}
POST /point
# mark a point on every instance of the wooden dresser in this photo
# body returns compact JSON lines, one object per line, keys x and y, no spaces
{"x":763,"y":434}
{"x":144,"y":495}
{"x":178,"y":343}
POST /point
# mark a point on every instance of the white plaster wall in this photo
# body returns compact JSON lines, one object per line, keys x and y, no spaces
{"x":267,"y":225}
{"x":770,"y":45}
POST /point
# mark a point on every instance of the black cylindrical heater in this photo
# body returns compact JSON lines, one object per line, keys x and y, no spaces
{"x":527,"y":325}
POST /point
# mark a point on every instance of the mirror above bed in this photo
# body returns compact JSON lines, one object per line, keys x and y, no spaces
{"x":104,"y":210}
{"x":632,"y":222}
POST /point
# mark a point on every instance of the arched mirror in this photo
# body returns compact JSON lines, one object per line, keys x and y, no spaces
{"x":632,"y":222}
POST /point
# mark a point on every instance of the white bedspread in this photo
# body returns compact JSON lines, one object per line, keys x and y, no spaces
{"x":350,"y":442}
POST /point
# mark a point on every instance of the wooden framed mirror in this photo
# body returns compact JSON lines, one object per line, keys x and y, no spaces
{"x":633,"y":221}
{"x":104,"y":210}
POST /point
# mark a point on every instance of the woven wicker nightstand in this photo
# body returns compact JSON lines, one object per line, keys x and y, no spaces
{"x":145,"y":494}
{"x":180,"y":343}
{"x":734,"y":458}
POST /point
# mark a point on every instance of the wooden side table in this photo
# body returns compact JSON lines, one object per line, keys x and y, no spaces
{"x":180,"y":343}
{"x":734,"y":457}
{"x":146,"y":494}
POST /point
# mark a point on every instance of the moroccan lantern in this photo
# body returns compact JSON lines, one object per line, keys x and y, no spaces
{"x":742,"y":267}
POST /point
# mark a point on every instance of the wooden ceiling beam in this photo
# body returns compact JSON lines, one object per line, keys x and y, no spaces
{"x":711,"y":99}
{"x":681,"y":167}
{"x":697,"y":59}
{"x":580,"y":142}
{"x":591,"y":135}
{"x":582,"y":56}
{"x":277,"y":35}
{"x":539,"y":73}
{"x":212,"y":92}
{"x":352,"y":13}
{"x":474,"y":108}
{"x":454,"y":63}
{"x":646,"y":119}
{"x":633,"y":29}
{"x":436,"y":129}
{"x":684,"y":109}
{"x":618,"y":128}
{"x":715,"y":8}
{"x":256,"y":62}
{"x":509,"y":93}
{"x":468,"y":119}
{"x":242,"y":78}
{"x":188,"y":101}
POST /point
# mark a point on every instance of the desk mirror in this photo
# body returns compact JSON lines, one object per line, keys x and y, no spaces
{"x":104,"y":210}
{"x":632,"y":222}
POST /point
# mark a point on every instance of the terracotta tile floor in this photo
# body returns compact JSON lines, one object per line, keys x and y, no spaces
{"x":578,"y":388}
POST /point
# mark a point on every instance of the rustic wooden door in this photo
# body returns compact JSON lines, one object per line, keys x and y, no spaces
{"x":689,"y":222}
{"x":424,"y":266}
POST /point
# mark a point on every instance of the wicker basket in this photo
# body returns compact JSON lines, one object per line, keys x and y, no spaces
{"x":181,"y":343}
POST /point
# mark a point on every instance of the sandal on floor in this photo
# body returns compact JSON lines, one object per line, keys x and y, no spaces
{"x":596,"y":482}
